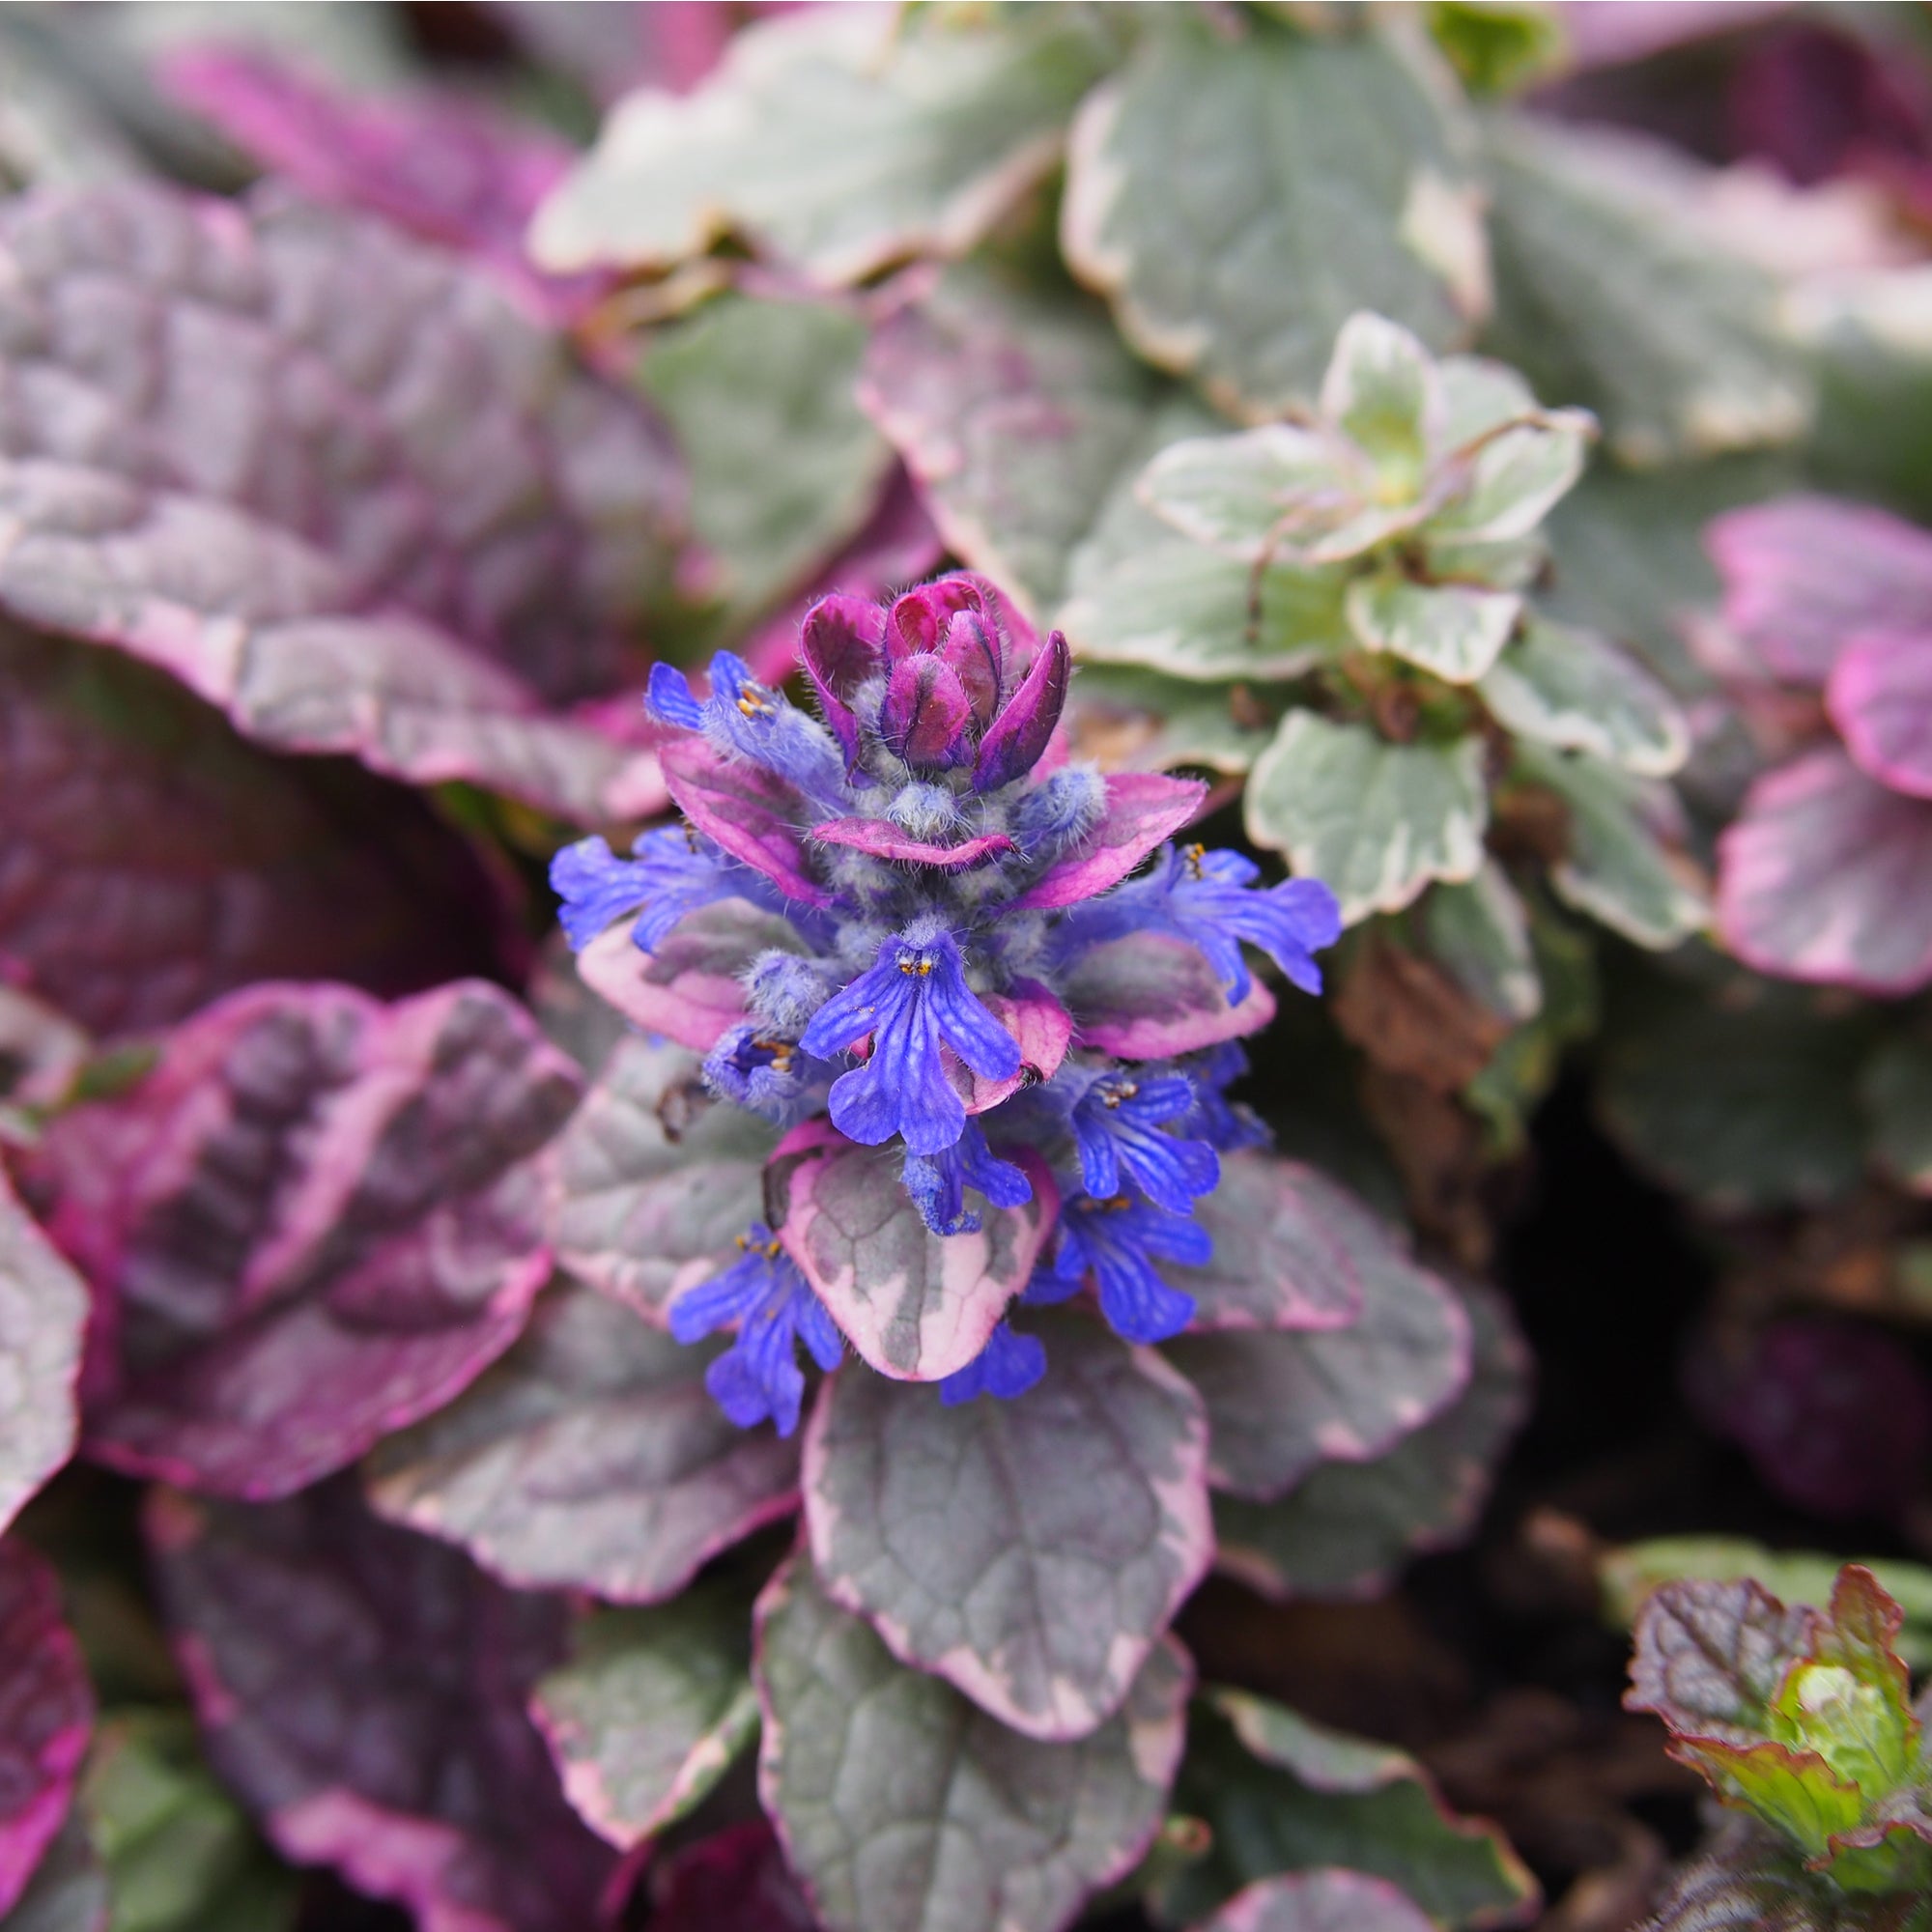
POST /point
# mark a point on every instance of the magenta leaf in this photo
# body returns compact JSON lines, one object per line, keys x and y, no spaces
{"x":1880,"y":698}
{"x":1018,"y":738}
{"x":747,"y":809}
{"x":590,"y":1457}
{"x":1826,"y":875}
{"x":926,"y":713}
{"x":362,"y":1691}
{"x":1281,"y":1404}
{"x":1039,"y":1598}
{"x":916,"y":1305}
{"x":1153,"y":995}
{"x":312,"y":1222}
{"x":414,"y":526}
{"x":154,"y":860}
{"x":48,"y":1712}
{"x":1804,"y":574}
{"x":1143,"y":810}
{"x":884,"y":840}
{"x":43,"y":1316}
{"x":1042,"y":1030}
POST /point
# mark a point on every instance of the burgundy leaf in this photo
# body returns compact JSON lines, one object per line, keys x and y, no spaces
{"x":42,"y":1316}
{"x":919,"y":619}
{"x":751,"y":812}
{"x":734,"y":1881}
{"x":978,"y":658}
{"x":311,"y":1223}
{"x":926,"y":713}
{"x":1018,"y":738}
{"x":47,"y":1711}
{"x":1151,"y":995}
{"x":1143,"y":810}
{"x":1880,"y":698}
{"x":153,"y":860}
{"x":884,"y":840}
{"x":363,"y":1691}
{"x":1828,"y":875}
{"x":841,"y":644}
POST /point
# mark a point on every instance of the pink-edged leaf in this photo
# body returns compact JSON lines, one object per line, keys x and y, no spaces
{"x":1041,"y":1029}
{"x":895,"y":1797}
{"x":154,"y":860}
{"x":331,"y":479}
{"x":1281,"y":1404}
{"x":734,"y":1881}
{"x":1151,"y":995}
{"x":884,"y":840}
{"x":1019,"y":736}
{"x":48,"y":1712}
{"x":1285,"y":1241}
{"x":751,"y":812}
{"x":1880,"y":698}
{"x":1143,"y":810}
{"x":916,"y":1305}
{"x":313,"y":1221}
{"x":1324,"y":1900}
{"x":1826,"y":875}
{"x":1711,"y":1656}
{"x":1804,"y":573}
{"x":591,"y":1457}
{"x":42,"y":1318}
{"x":362,"y":1692}
{"x":655,"y":1179}
{"x":1041,"y":1598}
{"x":69,"y":1891}
{"x":688,"y":989}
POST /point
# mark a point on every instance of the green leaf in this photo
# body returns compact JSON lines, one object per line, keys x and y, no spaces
{"x":649,"y":1710}
{"x":590,"y":1457}
{"x":1134,"y":719}
{"x":1448,"y":629}
{"x":1618,"y":867}
{"x":1897,"y":1092}
{"x":1479,"y":933}
{"x":1031,"y":1551}
{"x":1376,"y":822}
{"x":1247,"y":494}
{"x":1283,"y":1794}
{"x":1348,"y":1528}
{"x":1607,"y":294}
{"x":839,"y":142}
{"x":902,"y":1806}
{"x":785,"y":465}
{"x":1017,"y":415}
{"x":1793,"y":1791}
{"x":1239,"y":195}
{"x":1497,"y":45}
{"x":180,"y":1857}
{"x":1380,"y":389}
{"x":1576,"y":691}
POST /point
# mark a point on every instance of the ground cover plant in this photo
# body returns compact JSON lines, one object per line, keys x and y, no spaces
{"x":964,"y":968}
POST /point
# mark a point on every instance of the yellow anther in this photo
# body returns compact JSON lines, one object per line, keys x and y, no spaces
{"x":1194,"y":854}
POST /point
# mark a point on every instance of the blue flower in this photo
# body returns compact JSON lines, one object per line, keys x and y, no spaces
{"x":912,"y":997}
{"x":673,"y":873}
{"x":1117,"y":1241}
{"x":1223,"y":1124}
{"x":938,"y":1181}
{"x":1008,"y":1366}
{"x":750,"y":719}
{"x":775,"y":1309}
{"x":1209,"y":899}
{"x":768,"y":1076}
{"x":1117,"y":1125}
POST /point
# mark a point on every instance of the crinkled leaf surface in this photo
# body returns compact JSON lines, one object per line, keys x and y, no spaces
{"x":655,"y":1179}
{"x":362,"y":1691}
{"x":916,"y":1305}
{"x":1576,"y":690}
{"x":1345,"y":1530}
{"x":329,"y":479}
{"x":1607,"y":294}
{"x":49,"y":1712}
{"x":1710,"y":1655}
{"x":181,"y":1856}
{"x":1319,"y":1901}
{"x":1283,"y":1794}
{"x":313,"y":1221}
{"x":1826,"y":875}
{"x":649,"y":1709}
{"x":1238,"y":194}
{"x":590,"y":1457}
{"x":1374,"y":822}
{"x":785,"y":469}
{"x":1030,"y":1551}
{"x":1281,"y":1404}
{"x":44,"y":1311}
{"x":1015,"y":415}
{"x":153,"y":860}
{"x":69,"y":1891}
{"x":836,"y":141}
{"x":901,"y":1804}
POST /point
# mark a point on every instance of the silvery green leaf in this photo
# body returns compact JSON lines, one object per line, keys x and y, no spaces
{"x":1382,"y":390}
{"x":1619,"y":868}
{"x":1246,"y":495}
{"x":839,"y":141}
{"x":1374,"y":821}
{"x":1239,"y":195}
{"x":1479,"y":932}
{"x":1446,"y":628}
{"x":1134,"y":719}
{"x":1576,"y":690}
{"x":1516,"y":476}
